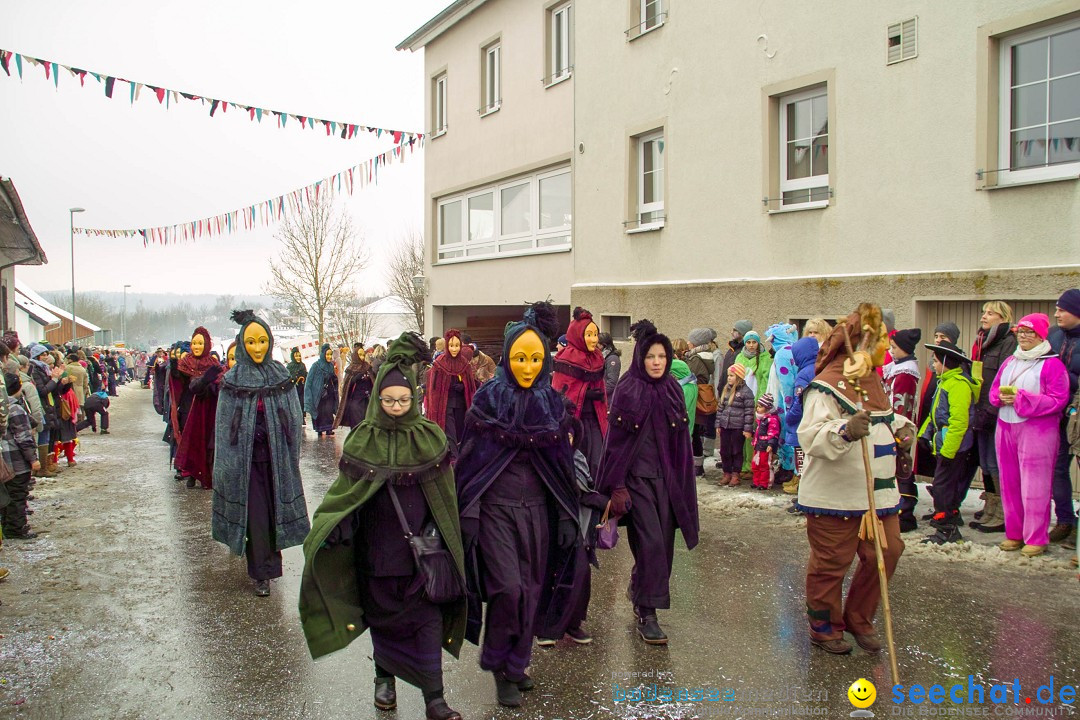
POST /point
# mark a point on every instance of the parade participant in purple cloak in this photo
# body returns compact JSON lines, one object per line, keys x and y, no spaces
{"x":648,"y":473}
{"x":518,"y":500}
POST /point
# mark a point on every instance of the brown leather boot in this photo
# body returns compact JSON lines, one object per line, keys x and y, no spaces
{"x":44,"y":458}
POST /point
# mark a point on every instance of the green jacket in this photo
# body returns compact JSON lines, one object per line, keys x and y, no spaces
{"x":330,"y":611}
{"x":948,"y":426}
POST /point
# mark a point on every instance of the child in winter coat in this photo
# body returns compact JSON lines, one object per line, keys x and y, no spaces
{"x":734,"y":422}
{"x":766,"y":441}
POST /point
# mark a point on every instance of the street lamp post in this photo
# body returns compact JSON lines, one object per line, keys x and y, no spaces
{"x":71,"y":225}
{"x":123,"y":317}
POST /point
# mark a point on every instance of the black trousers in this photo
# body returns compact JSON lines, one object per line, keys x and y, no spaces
{"x":14,"y":513}
{"x":732,"y":443}
{"x":263,"y":557}
{"x":93,"y":417}
{"x":951,"y":481}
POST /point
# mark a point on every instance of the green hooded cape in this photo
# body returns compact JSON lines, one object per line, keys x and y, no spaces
{"x":378,"y":448}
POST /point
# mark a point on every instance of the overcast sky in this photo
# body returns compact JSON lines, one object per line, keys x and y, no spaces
{"x":143,"y":165}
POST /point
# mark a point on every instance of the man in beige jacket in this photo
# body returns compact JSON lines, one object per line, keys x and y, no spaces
{"x":80,"y":379}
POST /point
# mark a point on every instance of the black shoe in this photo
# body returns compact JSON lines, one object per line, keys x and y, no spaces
{"x":649,"y":630}
{"x":794,"y":509}
{"x":386,"y":694}
{"x":525,"y":684}
{"x":437,"y":709}
{"x":699,"y":471}
{"x":506,"y":691}
{"x":262,"y":588}
{"x":27,"y":535}
{"x":191,"y":482}
{"x":927,"y":516}
{"x":908,"y":524}
{"x":104,"y":432}
{"x":945,"y":534}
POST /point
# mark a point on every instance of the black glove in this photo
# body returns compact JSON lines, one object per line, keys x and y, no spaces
{"x":567,"y":533}
{"x":594,"y":394}
{"x":470,"y":532}
{"x":456,"y":383}
{"x":858,"y":425}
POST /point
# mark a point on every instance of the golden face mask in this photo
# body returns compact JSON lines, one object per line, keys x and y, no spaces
{"x":454,"y":347}
{"x":592,"y":337}
{"x":198,"y":345}
{"x":256,"y":342}
{"x":527,"y":358}
{"x":230,"y":359}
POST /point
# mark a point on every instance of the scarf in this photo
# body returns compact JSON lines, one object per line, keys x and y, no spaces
{"x":193,"y":366}
{"x":1034,"y":353}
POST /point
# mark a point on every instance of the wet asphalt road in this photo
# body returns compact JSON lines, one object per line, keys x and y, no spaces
{"x":125,"y":608}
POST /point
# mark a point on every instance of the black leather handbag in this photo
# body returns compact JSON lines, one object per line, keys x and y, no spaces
{"x":442,"y":584}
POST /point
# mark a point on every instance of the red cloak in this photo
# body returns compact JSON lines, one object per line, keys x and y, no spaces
{"x":442,"y":371}
{"x":577,"y":369}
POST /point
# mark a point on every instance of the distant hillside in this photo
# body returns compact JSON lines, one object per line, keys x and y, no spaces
{"x":161,"y":301}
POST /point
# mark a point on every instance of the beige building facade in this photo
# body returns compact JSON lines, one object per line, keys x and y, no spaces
{"x":793,"y":161}
{"x":497,"y":180}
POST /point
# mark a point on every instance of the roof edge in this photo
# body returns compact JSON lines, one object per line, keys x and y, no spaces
{"x":439,"y":24}
{"x":20,"y":214}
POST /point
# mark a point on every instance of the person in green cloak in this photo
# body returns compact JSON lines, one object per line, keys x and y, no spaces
{"x":359,"y":571}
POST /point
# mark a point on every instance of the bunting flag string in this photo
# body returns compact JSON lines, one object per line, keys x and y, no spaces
{"x":271,"y":211}
{"x":338,"y":128}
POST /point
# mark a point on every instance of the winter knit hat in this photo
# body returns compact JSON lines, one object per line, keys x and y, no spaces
{"x":1037,"y":322}
{"x":949,"y":330}
{"x":11,"y":339}
{"x":752,"y":335}
{"x":12,"y":382}
{"x":394,"y":378}
{"x":743,"y":326}
{"x":907,"y":340}
{"x":701,"y":336}
{"x":738,"y":371}
{"x":766,"y":401}
{"x":888,"y":316}
{"x":561,"y":340}
{"x":35,"y":350}
{"x":1070,"y":301}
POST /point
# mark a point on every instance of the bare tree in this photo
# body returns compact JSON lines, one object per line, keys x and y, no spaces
{"x":320,"y":258}
{"x":406,"y":262}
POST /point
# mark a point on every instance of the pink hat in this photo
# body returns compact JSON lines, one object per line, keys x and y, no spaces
{"x":1036,"y":322}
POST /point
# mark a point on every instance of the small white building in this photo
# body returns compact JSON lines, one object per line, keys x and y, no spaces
{"x":387,"y":318}
{"x":32,"y":320}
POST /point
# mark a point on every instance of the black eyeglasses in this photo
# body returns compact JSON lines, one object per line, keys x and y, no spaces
{"x":398,"y":402}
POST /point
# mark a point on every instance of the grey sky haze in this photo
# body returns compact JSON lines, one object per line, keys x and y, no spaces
{"x":143,"y":165}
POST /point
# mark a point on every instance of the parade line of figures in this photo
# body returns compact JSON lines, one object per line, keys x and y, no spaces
{"x":464,"y":482}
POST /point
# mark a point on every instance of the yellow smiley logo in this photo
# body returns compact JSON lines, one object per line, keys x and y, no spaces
{"x":861,"y":693}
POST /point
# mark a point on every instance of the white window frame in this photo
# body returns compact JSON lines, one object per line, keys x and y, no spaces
{"x":657,"y":206}
{"x":900,"y":33}
{"x":492,"y":90}
{"x":806,"y":183}
{"x":439,"y":105}
{"x":644,"y":27}
{"x":561,"y":62}
{"x":1006,"y":176}
{"x":540,"y":239}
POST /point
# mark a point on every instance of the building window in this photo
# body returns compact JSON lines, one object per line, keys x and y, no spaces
{"x":438,"y":105}
{"x":560,"y":44}
{"x":903,"y":41}
{"x":804,"y":148}
{"x":519,"y":216}
{"x":1039,"y":116}
{"x":491,"y":78}
{"x":618,"y":326}
{"x":650,"y":180}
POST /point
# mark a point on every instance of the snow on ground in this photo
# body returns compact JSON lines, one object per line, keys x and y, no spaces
{"x":976,"y":546}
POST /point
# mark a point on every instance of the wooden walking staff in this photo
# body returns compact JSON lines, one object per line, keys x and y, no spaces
{"x":857,"y":366}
